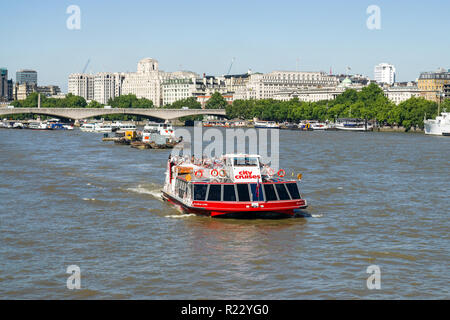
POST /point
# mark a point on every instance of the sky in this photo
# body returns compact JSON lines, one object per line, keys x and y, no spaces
{"x":204,"y":36}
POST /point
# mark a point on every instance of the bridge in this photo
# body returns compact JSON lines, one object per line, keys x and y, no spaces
{"x":85,"y":113}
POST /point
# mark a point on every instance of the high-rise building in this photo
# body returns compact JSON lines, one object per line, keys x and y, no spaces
{"x":26,"y":76}
{"x":384,"y":73}
{"x":432,"y":83}
{"x":105,"y":84}
{"x":81,"y":84}
{"x":4,"y":84}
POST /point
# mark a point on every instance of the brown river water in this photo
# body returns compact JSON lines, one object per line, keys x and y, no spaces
{"x":67,"y":198}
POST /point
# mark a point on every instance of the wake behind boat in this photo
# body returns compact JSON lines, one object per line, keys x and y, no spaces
{"x":237,"y":186}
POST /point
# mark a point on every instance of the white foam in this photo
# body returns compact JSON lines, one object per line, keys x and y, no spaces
{"x":89,"y":199}
{"x":141,"y":190}
{"x":317,"y":215}
{"x":177,"y":216}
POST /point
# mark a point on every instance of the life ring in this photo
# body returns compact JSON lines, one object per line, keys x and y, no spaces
{"x":281,"y":173}
{"x":199,"y":173}
{"x":222,"y":173}
{"x":214,"y":172}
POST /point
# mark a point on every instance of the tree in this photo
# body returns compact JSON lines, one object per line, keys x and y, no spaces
{"x":217,"y":101}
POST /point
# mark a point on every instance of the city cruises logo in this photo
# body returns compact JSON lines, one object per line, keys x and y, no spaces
{"x":213,"y":143}
{"x":244,"y":174}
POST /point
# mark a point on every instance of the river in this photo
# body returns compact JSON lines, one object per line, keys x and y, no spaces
{"x":67,"y":198}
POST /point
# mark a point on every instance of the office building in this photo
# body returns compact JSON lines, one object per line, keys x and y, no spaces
{"x":384,"y":73}
{"x":26,"y":76}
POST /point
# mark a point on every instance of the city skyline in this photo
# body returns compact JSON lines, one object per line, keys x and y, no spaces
{"x":204,"y":37}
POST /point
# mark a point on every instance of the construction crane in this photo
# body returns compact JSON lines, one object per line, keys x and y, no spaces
{"x":229,"y":69}
{"x":86,"y":65}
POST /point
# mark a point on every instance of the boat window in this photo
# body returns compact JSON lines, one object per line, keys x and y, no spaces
{"x":229,"y":193}
{"x":246,"y":161}
{"x":282,"y":192}
{"x":243,"y":192}
{"x":214,"y":192}
{"x":200,"y":191}
{"x":293,"y":190}
{"x":270,"y":192}
{"x":257,"y":193}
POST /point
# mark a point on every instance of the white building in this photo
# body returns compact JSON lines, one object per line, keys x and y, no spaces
{"x":107,"y":86}
{"x":384,"y":73}
{"x":146,"y":82}
{"x":398,"y":94}
{"x":81,"y":84}
{"x":265,"y":86}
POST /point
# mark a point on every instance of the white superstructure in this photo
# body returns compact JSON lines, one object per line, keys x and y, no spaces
{"x":439,"y":126}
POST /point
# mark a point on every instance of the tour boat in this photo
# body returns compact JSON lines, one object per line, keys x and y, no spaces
{"x":266,"y":124}
{"x":353,"y":125}
{"x":96,"y":127}
{"x":122,"y":127}
{"x":234,"y":186}
{"x":38,"y":126}
{"x":164,"y":129}
{"x":439,"y":126}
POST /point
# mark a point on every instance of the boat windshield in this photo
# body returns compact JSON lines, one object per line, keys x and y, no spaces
{"x":245,"y":161}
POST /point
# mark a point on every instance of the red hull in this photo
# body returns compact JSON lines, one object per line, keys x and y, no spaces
{"x":271,"y":209}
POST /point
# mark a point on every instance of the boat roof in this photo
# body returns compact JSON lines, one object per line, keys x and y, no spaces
{"x":229,"y":155}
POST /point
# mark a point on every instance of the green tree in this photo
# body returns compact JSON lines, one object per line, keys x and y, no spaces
{"x":217,"y":101}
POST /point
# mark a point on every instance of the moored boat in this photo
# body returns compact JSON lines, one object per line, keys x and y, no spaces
{"x":439,"y":126}
{"x":236,"y":186}
{"x":352,"y":124}
{"x":266,"y":124}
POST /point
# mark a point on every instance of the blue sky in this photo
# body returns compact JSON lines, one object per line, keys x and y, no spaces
{"x":204,"y":36}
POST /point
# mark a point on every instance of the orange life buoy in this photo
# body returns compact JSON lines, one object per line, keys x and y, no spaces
{"x":214,"y":172}
{"x":199,"y":173}
{"x":222,"y":173}
{"x":281,"y":173}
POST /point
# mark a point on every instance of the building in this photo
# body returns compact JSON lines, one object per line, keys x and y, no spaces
{"x":398,"y":94}
{"x":447,"y":91}
{"x":237,"y":85}
{"x":146,"y":82}
{"x":432,"y":83}
{"x":81,"y":84}
{"x":265,"y":86}
{"x":26,"y":76}
{"x":4,"y":96}
{"x":178,"y":88}
{"x":384,"y":73}
{"x":22,"y":91}
{"x":107,"y":86}
{"x":10,"y":89}
{"x":49,"y":91}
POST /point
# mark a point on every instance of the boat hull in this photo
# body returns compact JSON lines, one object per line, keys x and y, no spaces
{"x":239,"y":210}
